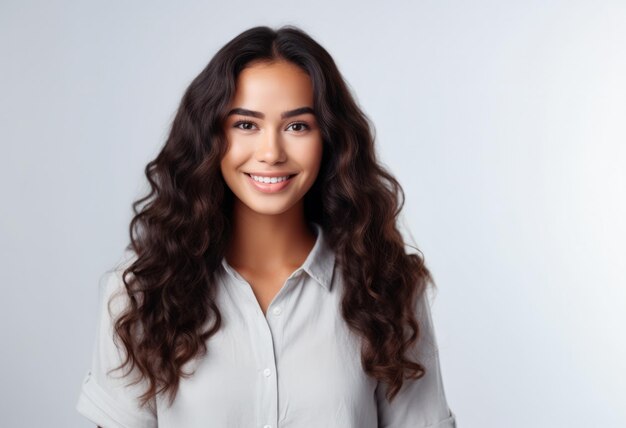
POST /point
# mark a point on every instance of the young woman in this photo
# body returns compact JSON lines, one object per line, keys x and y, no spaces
{"x":266,"y":283}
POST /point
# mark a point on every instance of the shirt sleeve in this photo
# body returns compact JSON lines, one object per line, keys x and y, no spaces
{"x":106,"y":399}
{"x":420,"y":403}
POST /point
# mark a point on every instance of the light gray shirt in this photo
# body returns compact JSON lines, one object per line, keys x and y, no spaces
{"x":297,"y":366}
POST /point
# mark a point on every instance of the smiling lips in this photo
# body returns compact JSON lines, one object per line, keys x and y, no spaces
{"x":270,"y":183}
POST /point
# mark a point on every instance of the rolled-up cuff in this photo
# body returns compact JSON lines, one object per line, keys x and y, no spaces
{"x":99,"y":407}
{"x":449,"y":422}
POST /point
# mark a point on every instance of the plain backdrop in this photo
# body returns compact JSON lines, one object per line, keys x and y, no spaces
{"x":505,"y":122}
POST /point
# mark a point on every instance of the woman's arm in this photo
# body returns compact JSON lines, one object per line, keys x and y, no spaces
{"x":420,"y":403}
{"x":109,"y":400}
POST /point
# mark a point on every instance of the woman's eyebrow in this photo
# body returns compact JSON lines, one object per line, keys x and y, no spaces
{"x":283,"y":115}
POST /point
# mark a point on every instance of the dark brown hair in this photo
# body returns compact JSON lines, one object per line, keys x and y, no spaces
{"x":181,"y":228}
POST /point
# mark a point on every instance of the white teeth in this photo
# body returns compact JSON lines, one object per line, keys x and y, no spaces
{"x":269,"y":179}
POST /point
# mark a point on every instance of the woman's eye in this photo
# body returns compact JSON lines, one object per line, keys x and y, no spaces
{"x":245,"y":125}
{"x":299,"y":126}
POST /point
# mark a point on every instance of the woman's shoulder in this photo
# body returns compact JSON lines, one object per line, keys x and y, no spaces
{"x":111,"y":284}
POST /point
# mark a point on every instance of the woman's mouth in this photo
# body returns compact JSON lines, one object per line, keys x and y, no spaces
{"x":269,"y":184}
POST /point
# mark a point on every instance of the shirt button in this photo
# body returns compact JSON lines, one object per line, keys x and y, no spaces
{"x":277,"y":310}
{"x":267,"y":372}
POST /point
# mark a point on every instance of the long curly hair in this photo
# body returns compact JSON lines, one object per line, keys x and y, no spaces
{"x":180,"y":229}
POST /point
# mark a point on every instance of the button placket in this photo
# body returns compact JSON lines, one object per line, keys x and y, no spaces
{"x":268,"y":409}
{"x":275,"y":325}
{"x":269,"y":338}
{"x":268,"y":405}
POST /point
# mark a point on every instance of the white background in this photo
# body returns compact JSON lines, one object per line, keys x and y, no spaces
{"x":505,"y":121}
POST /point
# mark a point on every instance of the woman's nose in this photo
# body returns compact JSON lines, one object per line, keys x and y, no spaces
{"x":271,"y":148}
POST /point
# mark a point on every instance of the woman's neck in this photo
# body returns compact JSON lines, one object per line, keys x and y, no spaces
{"x":263,"y":242}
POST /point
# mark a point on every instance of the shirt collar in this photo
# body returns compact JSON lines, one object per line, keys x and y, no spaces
{"x":319,"y":264}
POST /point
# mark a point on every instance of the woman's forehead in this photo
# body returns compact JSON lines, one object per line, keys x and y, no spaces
{"x":273,"y":86}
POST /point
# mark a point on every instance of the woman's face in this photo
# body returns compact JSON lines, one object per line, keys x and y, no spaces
{"x":272,"y":133}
